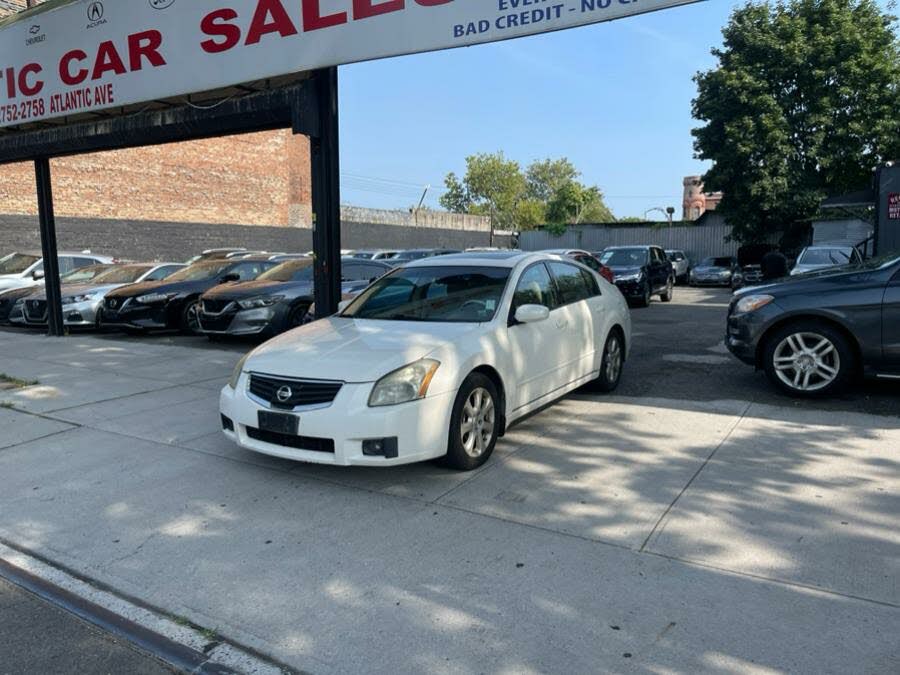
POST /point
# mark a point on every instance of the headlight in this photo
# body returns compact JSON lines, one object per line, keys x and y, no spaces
{"x":238,"y":369}
{"x":751,"y":303}
{"x":69,"y":300}
{"x":261,"y":301}
{"x":153,"y":298}
{"x":406,"y":384}
{"x":629,"y":277}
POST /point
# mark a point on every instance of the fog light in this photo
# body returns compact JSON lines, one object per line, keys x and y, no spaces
{"x":381,"y":447}
{"x":227,"y":424}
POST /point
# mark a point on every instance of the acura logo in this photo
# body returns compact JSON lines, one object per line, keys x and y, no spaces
{"x":284,"y":394}
{"x":95,"y":11}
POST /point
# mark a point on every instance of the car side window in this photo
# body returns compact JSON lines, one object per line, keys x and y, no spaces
{"x":66,"y":264}
{"x":591,"y":281}
{"x":535,"y":287}
{"x":589,"y":261}
{"x":570,"y":283}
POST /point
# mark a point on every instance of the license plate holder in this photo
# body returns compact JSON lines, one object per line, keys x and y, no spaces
{"x":279,"y":423}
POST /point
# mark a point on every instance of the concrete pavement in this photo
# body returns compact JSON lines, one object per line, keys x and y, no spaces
{"x":635,"y":533}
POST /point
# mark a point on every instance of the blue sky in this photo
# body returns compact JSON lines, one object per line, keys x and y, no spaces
{"x":615,"y":98}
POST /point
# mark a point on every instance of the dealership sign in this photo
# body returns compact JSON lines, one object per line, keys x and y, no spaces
{"x":88,"y":55}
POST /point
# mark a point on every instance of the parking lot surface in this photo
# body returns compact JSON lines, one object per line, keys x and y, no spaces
{"x":695,"y":521}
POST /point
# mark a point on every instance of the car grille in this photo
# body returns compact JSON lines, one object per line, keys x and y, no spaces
{"x":116,"y":304}
{"x":215,"y":306}
{"x":218,"y":324}
{"x":36,"y":310}
{"x":297,"y":442}
{"x":294,"y":393}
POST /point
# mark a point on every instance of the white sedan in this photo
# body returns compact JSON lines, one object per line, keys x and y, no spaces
{"x":435,"y":359}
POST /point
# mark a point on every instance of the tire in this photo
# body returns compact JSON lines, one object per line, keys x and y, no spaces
{"x":809,"y":359}
{"x":295,"y":318}
{"x":612,"y":365}
{"x":190,"y":317}
{"x":644,"y":300}
{"x":464,"y":451}
{"x":666,"y":295}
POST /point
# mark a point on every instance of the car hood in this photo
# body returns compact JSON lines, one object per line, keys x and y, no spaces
{"x":249,"y":289}
{"x":17,"y":293}
{"x":352,"y":350}
{"x":180,"y":287}
{"x":78,"y":289}
{"x":823,"y":278}
{"x":10,"y":281}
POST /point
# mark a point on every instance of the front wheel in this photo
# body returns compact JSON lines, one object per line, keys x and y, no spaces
{"x":807,"y":359}
{"x":666,"y":295}
{"x":190,"y":318}
{"x":646,"y":294}
{"x":613,"y":363}
{"x":474,"y":424}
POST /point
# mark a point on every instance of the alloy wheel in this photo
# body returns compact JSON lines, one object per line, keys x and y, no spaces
{"x":478,"y":423}
{"x":193,"y":317}
{"x":806,"y":361}
{"x":613,"y":360}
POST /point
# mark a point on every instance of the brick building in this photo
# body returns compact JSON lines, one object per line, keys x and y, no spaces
{"x":253,"y":179}
{"x":696,"y":200}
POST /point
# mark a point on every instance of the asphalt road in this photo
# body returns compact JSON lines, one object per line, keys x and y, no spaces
{"x":37,"y":637}
{"x":678,"y":353}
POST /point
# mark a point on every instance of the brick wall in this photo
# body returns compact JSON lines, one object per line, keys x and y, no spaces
{"x":255,"y":179}
{"x":156,"y":240}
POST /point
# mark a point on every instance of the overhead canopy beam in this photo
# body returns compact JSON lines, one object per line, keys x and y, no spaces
{"x":292,"y":107}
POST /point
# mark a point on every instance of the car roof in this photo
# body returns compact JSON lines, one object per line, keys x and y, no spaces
{"x":616,"y":248}
{"x":508,"y":259}
{"x":828,"y":247}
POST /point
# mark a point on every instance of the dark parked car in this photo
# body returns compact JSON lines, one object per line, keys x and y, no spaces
{"x":719,"y":271}
{"x":8,"y":301}
{"x":278,"y":300}
{"x":814,"y":334}
{"x":175,"y":301}
{"x":641,"y":272}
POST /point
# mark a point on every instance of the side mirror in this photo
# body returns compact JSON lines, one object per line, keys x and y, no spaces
{"x":343,"y":304}
{"x":228,"y":278}
{"x":532,"y":314}
{"x":37,"y":275}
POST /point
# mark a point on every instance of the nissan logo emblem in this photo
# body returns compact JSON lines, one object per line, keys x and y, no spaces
{"x":284,"y":394}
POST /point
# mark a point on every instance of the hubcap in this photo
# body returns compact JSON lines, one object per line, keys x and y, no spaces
{"x":613,"y":360}
{"x":807,"y":361}
{"x":478,"y":424}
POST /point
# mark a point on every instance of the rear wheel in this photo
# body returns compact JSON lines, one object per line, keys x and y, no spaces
{"x":297,"y":315}
{"x":613,"y":363}
{"x":474,"y":424}
{"x":809,"y":360}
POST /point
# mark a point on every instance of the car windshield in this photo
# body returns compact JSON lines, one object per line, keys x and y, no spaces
{"x":825,"y":256}
{"x":122,"y":274}
{"x":624,"y":257}
{"x":675,"y":256}
{"x":436,"y":294}
{"x":83,"y":274}
{"x":716,"y":262}
{"x":201,"y":271}
{"x":16,"y":263}
{"x":292,"y":270}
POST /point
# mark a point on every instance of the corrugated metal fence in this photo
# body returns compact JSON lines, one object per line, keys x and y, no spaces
{"x":697,"y":241}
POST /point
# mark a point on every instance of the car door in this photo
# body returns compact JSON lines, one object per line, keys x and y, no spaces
{"x":534,"y":354}
{"x":656,"y":271}
{"x":577,"y":345}
{"x":890,"y":323}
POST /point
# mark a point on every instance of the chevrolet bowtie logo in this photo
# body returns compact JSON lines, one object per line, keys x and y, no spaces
{"x":34,"y":30}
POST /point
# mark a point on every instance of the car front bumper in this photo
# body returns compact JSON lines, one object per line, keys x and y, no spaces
{"x":420,"y":427}
{"x":744,"y":332}
{"x":631,"y":288}
{"x":144,"y":317}
{"x":243,"y":322}
{"x":75,"y":315}
{"x":711,"y":281}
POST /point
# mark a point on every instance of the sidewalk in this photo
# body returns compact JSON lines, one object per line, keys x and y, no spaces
{"x":618,"y":535}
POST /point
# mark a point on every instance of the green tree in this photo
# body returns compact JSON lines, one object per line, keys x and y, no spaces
{"x":803,"y":103}
{"x":546,"y":177}
{"x":547,"y":191}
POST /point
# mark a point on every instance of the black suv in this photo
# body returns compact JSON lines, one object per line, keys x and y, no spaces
{"x":641,"y":272}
